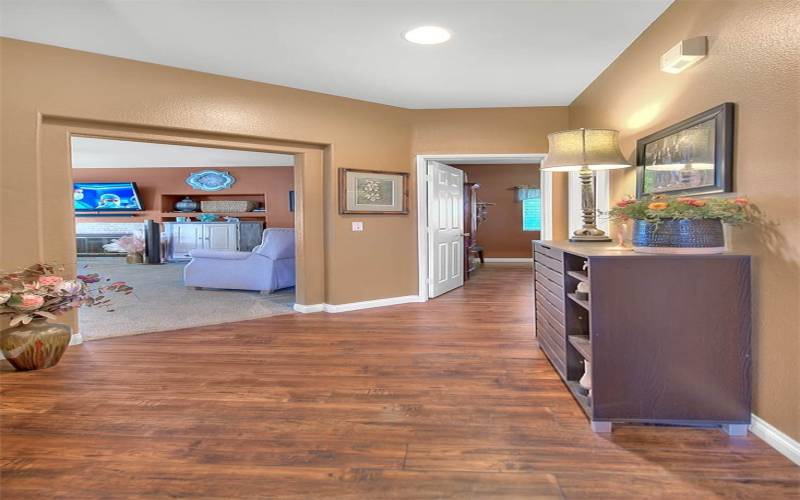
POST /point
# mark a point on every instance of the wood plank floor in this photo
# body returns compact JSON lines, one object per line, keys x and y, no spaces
{"x":449,"y":399}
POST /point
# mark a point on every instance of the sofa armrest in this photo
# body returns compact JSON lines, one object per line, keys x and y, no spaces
{"x":219,"y":254}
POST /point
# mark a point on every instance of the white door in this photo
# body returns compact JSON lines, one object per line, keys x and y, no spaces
{"x":445,"y":228}
{"x":220,"y":237}
{"x":184,"y":238}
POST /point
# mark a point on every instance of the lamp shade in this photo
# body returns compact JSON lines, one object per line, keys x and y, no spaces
{"x":571,"y":150}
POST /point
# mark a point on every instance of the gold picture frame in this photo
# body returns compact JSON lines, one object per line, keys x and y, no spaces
{"x":373,"y":192}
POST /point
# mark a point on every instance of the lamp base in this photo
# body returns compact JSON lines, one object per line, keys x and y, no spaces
{"x":589,"y":233}
{"x":584,"y":239}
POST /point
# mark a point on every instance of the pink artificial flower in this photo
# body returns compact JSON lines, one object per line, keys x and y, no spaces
{"x":29,"y":302}
{"x":69,"y":287}
{"x":50,"y":280}
{"x":624,"y":203}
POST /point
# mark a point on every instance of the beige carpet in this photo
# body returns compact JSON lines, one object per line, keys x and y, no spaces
{"x":161,"y":302}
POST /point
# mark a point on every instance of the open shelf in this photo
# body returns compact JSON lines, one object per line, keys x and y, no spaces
{"x":259,"y":215}
{"x":580,"y":302}
{"x":583,"y":345}
{"x":579,"y":275}
{"x":579,"y":393}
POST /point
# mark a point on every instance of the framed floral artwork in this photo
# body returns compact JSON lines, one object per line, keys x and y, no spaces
{"x":372,"y":192}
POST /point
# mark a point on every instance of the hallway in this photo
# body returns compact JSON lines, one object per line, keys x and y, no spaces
{"x":450,"y":398}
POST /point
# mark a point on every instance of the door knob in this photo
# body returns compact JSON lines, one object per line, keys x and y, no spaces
{"x":466,"y":235}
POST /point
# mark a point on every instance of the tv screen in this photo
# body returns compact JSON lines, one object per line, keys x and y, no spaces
{"x":105,"y":196}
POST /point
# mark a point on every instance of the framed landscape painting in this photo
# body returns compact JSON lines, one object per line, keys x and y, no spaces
{"x":372,"y":192}
{"x":693,"y":157}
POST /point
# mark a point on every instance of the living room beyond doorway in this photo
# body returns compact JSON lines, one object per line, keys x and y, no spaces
{"x":203,"y":235}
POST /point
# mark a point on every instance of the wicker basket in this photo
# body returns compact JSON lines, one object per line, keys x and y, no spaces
{"x":227,"y":206}
{"x":698,"y":236}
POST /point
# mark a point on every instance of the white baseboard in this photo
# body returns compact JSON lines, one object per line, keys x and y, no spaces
{"x":508,"y":259}
{"x":312,"y":308}
{"x":785,"y":445}
{"x":367,"y":304}
{"x":354,"y":306}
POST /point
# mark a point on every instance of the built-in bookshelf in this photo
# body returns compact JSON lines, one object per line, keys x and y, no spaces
{"x":169,"y":214}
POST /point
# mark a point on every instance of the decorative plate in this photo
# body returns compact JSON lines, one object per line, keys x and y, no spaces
{"x":210,"y":180}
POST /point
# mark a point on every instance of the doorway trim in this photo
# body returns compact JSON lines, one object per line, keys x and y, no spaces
{"x":54,"y":164}
{"x":422,"y":199}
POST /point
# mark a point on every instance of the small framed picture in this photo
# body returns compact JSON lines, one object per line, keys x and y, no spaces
{"x":693,"y":157}
{"x":372,"y":192}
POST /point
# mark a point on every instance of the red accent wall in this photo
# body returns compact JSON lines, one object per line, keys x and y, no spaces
{"x":275,"y":182}
{"x":502,"y":235}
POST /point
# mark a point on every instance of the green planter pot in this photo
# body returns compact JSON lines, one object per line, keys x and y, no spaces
{"x":34,"y":346}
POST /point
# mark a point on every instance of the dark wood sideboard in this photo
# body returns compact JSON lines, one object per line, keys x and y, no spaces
{"x":668,"y":336}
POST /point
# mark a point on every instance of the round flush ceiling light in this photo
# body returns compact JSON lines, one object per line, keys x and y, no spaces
{"x":427,"y":35}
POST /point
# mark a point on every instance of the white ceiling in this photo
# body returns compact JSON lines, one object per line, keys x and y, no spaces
{"x":502,"y":53}
{"x":88,"y":152}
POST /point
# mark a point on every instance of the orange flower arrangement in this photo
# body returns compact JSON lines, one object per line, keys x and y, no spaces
{"x":661,"y":207}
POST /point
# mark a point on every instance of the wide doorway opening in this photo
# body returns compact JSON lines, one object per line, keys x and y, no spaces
{"x":476,"y":211}
{"x":203,"y":235}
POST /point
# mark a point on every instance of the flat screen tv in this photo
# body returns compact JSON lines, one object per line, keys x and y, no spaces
{"x":106,"y":197}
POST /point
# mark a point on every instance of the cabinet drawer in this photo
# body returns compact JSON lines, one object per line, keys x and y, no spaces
{"x":554,"y":332}
{"x":549,"y":262}
{"x":553,"y":323}
{"x":542,"y":304}
{"x":555,"y":360}
{"x":557,"y":301}
{"x":548,"y":251}
{"x":554,"y":287}
{"x":554,"y":276}
{"x":543,"y":329}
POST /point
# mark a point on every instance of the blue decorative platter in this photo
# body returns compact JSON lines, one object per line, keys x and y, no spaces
{"x":210,"y":180}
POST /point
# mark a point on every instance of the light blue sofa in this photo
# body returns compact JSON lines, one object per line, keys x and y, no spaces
{"x":269,"y":267}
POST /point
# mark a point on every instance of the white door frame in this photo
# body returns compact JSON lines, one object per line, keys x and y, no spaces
{"x":478,"y":159}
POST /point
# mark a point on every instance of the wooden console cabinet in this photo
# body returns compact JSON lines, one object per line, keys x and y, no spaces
{"x":668,"y":336}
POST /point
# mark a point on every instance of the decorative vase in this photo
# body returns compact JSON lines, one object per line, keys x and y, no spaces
{"x":186,"y":205}
{"x":34,"y":346}
{"x":679,"y":236}
{"x":134,"y":258}
{"x":586,"y":379}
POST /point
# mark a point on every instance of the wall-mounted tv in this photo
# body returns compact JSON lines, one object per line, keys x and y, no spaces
{"x":105,"y":197}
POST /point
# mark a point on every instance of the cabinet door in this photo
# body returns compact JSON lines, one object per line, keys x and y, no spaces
{"x":185,"y":238}
{"x":220,"y":237}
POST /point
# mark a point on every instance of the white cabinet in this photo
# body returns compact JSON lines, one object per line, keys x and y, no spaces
{"x":220,"y":237}
{"x":183,"y":237}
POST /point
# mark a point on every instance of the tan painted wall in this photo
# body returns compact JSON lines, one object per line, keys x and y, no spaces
{"x":753,"y":62}
{"x":501,"y":235}
{"x":274,"y":182}
{"x":113,"y":93}
{"x":495,"y":130}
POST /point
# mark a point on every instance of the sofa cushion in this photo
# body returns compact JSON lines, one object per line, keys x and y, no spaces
{"x":220,"y":254}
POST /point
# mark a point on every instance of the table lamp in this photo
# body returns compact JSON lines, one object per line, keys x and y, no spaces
{"x":585,"y":150}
